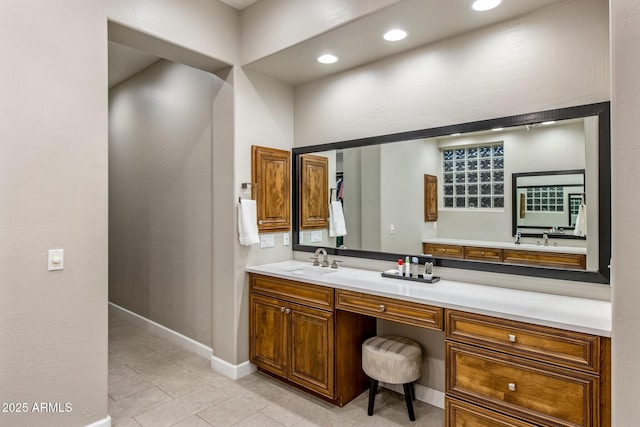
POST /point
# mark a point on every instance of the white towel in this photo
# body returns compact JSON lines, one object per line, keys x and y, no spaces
{"x":581,"y":221}
{"x":337,"y":226}
{"x":247,"y":222}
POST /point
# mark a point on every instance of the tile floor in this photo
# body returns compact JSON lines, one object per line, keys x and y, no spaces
{"x":155,"y":383}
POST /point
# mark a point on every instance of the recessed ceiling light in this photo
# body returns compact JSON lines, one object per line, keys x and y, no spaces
{"x":327,"y":59}
{"x":395,"y":35}
{"x":550,"y":122}
{"x":497,"y":129}
{"x":482,"y":5}
{"x":455,"y":134}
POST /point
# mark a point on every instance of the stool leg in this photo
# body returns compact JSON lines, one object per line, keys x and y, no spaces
{"x":407,"y":398}
{"x":373,"y":389}
{"x":413,"y":391}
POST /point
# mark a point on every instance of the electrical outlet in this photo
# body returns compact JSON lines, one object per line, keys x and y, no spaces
{"x":267,"y":241}
{"x":316,"y":236}
{"x":392,"y":229}
{"x":285,"y":239}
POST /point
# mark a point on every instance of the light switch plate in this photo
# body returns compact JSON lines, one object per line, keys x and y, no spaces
{"x":56,"y":259}
{"x":267,"y":241}
{"x":285,"y":239}
{"x":316,"y":236}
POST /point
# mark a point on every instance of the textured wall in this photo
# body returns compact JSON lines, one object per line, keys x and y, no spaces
{"x":625,"y":33}
{"x":160,"y":197}
{"x":53,"y":194}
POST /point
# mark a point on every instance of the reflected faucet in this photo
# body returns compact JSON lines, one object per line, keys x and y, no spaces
{"x":545,"y":237}
{"x":325,"y":261}
{"x":517,"y":236}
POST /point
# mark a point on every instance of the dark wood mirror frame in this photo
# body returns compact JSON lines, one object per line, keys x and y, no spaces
{"x":602,"y":110}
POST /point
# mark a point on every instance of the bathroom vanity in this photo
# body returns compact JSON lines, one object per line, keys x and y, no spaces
{"x":508,"y":253}
{"x":513,"y":358}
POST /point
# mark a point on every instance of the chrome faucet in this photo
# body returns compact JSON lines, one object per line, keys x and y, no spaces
{"x":325,"y":261}
{"x":545,"y":237}
{"x":517,"y":236}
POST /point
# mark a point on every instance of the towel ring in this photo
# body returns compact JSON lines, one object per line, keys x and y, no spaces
{"x":246,"y":185}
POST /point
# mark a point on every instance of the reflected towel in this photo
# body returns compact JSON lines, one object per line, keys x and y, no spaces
{"x":337,"y":226}
{"x":247,"y":222}
{"x":581,"y":221}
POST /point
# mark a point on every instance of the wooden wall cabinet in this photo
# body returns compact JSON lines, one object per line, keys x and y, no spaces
{"x":314,"y":192}
{"x":296,"y":334}
{"x":430,"y":198}
{"x":271,"y":171}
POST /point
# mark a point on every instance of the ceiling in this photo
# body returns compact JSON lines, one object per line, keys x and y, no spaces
{"x":360,"y":42}
{"x":355,"y":43}
{"x":239,"y":4}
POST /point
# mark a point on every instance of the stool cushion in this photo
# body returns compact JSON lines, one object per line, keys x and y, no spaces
{"x":393,"y":360}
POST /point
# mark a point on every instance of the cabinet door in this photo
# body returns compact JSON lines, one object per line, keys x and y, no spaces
{"x":267,"y":333}
{"x":314,"y":192}
{"x":311,"y":349}
{"x":270,"y":169}
{"x":430,"y":198}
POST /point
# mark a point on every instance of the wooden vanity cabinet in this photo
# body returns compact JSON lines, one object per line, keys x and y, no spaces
{"x":296,"y":334}
{"x":507,"y":256}
{"x":545,"y":259}
{"x":443,"y":251}
{"x":511,"y":373}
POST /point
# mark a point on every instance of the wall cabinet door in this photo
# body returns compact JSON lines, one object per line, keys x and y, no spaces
{"x":271,"y":171}
{"x":314,"y":192}
{"x":311,"y":349}
{"x":430,"y":198}
{"x":267,"y":333}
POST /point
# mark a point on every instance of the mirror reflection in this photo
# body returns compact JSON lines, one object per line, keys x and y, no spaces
{"x":505,"y":195}
{"x":550,"y":202}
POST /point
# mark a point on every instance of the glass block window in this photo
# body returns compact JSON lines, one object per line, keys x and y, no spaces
{"x":473,"y":177}
{"x":545,"y":199}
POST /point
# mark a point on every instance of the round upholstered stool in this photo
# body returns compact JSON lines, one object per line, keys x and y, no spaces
{"x":392,"y":360}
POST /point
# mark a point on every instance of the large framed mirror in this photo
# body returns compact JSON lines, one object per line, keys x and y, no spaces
{"x":378,"y":186}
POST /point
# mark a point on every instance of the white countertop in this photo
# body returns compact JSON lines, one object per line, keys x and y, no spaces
{"x":508,"y":245}
{"x":570,"y":313}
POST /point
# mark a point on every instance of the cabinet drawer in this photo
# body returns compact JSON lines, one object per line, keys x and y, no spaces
{"x":482,"y":254}
{"x":444,"y":251}
{"x":303,"y":293}
{"x":546,"y":259}
{"x":462,"y":414}
{"x":561,"y":347}
{"x":525,"y":389}
{"x":407,"y":312}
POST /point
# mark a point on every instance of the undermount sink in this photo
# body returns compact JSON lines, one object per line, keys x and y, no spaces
{"x":310,"y":271}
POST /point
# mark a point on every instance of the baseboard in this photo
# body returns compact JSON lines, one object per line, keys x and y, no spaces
{"x":232,"y":371}
{"x":423,"y":394}
{"x":105,"y":422}
{"x":162,"y":331}
{"x":217,"y":364}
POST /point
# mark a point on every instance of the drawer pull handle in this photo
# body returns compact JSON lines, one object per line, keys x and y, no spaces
{"x":512,"y":386}
{"x":288,"y":310}
{"x":260,"y":222}
{"x":282,"y":309}
{"x":381,"y":308}
{"x":512,"y":338}
{"x":482,"y":253}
